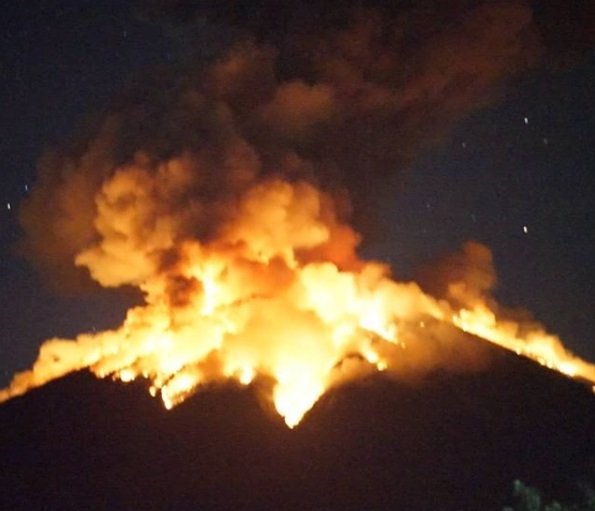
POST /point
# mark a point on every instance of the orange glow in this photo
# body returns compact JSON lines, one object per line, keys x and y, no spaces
{"x":544,"y":348}
{"x":277,"y":292}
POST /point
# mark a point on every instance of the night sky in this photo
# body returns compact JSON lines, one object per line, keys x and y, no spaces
{"x":516,"y":175}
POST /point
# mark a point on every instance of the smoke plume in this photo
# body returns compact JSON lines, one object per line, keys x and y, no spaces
{"x":225,"y":192}
{"x":343,"y":98}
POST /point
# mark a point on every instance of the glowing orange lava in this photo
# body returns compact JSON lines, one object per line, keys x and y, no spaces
{"x":278,"y":292}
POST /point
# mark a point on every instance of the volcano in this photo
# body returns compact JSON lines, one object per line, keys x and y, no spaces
{"x":449,"y":441}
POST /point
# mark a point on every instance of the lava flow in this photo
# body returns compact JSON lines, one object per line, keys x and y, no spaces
{"x":278,"y":292}
{"x":224,"y":191}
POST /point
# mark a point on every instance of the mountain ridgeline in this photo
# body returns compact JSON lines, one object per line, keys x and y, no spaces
{"x":448,"y":442}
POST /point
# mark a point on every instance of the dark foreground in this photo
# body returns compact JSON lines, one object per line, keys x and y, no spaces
{"x":453,"y":442}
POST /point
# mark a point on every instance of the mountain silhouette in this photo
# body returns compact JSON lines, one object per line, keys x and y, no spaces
{"x":448,"y":442}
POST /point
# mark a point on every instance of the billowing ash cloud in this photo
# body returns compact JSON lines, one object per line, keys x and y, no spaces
{"x":342,"y":97}
{"x":566,"y":28}
{"x":224,"y":194}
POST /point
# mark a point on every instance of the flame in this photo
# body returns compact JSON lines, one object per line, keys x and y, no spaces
{"x":544,"y":348}
{"x":277,"y":292}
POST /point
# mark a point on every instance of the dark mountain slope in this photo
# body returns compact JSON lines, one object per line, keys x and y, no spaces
{"x":450,"y":442}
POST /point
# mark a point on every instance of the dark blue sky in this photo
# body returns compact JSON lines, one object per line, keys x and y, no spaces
{"x":525,"y":164}
{"x":528,"y":161}
{"x":60,"y":62}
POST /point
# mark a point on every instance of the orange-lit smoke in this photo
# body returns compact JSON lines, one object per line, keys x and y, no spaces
{"x":222,"y":194}
{"x":277,"y":292}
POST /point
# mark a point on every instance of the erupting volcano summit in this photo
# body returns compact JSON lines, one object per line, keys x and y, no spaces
{"x":226,"y":193}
